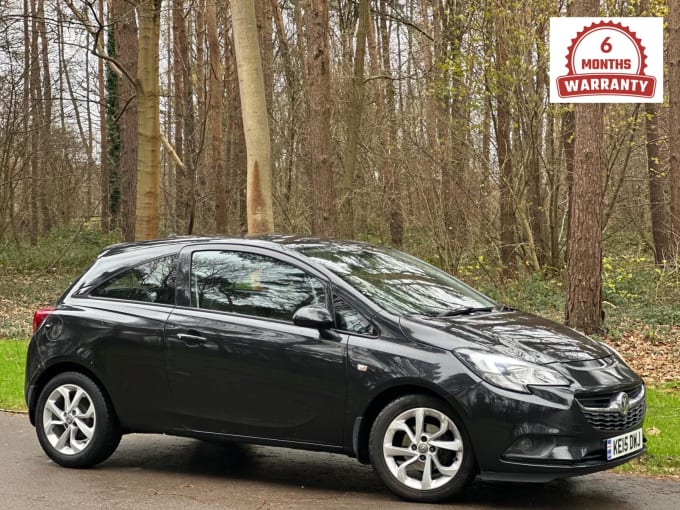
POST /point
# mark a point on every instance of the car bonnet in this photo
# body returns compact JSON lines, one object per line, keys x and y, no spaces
{"x":516,"y":334}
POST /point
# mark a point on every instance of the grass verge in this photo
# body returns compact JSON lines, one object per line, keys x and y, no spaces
{"x":662,"y":428}
{"x":12,"y":367}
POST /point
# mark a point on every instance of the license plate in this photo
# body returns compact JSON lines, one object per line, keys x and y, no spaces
{"x":624,"y":444}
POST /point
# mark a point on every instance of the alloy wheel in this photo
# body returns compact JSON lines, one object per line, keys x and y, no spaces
{"x":423,"y":448}
{"x":69,"y":419}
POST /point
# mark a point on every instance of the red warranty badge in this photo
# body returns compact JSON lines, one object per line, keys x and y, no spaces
{"x":605,"y":59}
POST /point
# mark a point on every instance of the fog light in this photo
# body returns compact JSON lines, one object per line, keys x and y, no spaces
{"x":531,"y":448}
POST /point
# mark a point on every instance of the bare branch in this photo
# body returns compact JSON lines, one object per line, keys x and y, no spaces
{"x":171,"y":150}
{"x":95,"y":30}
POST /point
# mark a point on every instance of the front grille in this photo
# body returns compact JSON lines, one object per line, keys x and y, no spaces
{"x":602,"y":415}
{"x":614,"y":421}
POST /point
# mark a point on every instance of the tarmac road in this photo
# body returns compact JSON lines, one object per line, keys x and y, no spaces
{"x":160,"y":472}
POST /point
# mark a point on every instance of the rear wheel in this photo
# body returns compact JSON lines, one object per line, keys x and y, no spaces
{"x":420,"y":449}
{"x":75,"y":423}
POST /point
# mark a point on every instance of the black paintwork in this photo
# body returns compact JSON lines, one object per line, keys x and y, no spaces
{"x":206,"y":373}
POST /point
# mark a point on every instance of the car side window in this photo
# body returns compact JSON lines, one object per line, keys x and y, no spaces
{"x":251,"y":284}
{"x":348,"y":319}
{"x":151,"y":282}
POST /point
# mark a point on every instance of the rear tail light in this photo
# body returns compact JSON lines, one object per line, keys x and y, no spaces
{"x":40,"y":316}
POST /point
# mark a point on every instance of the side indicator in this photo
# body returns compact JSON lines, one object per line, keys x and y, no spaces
{"x":361,"y":367}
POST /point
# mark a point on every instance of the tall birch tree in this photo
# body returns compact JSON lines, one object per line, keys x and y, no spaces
{"x":147,"y":218}
{"x":255,"y":118}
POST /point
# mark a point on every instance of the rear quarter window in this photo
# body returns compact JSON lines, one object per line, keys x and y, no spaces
{"x":150,"y":282}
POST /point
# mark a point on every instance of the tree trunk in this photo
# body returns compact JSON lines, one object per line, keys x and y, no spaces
{"x":36,"y":128}
{"x":655,"y":173}
{"x":46,"y":123}
{"x":111,"y":169}
{"x":148,"y":122}
{"x":125,"y":30}
{"x":656,"y":185}
{"x":319,"y":125}
{"x":179,"y":70}
{"x":204,"y":214}
{"x":584,"y":253}
{"x":104,"y":178}
{"x":238,"y":160}
{"x":568,"y":131}
{"x":189,"y":186}
{"x":674,"y":119}
{"x":264,"y":14}
{"x":390,"y":168}
{"x":554,"y":149}
{"x":354,"y":123}
{"x":507,"y":214}
{"x":535,"y":203}
{"x":26,"y":123}
{"x":215,"y":84}
{"x":255,"y":118}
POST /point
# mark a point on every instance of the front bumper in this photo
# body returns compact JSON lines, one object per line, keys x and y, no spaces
{"x":537,"y":437}
{"x":546,"y":472}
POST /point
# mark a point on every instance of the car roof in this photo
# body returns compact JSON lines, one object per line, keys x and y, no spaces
{"x":272,"y":241}
{"x":123,"y":256}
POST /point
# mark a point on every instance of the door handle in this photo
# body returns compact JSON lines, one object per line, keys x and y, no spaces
{"x":190,"y":339}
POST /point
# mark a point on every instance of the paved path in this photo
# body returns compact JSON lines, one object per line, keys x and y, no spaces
{"x":159,"y":472}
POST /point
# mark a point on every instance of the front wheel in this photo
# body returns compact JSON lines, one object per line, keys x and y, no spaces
{"x":75,"y":423}
{"x":420,"y":449}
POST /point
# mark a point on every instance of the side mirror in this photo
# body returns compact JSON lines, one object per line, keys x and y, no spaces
{"x":313,"y":316}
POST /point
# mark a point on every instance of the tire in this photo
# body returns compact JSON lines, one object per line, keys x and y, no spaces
{"x":443,"y":449}
{"x":75,"y":423}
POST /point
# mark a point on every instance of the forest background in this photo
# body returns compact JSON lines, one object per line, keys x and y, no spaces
{"x":423,"y":124}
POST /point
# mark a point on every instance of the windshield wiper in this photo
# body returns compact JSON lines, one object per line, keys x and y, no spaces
{"x":464,"y":310}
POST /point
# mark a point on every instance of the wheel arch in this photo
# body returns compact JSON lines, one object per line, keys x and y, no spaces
{"x":59,"y":368}
{"x":364,"y":424}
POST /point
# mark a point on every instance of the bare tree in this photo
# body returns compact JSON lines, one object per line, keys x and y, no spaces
{"x":319,"y":126}
{"x":507,"y":214}
{"x":215,"y":84}
{"x":147,"y":217}
{"x":125,"y":34}
{"x":255,"y":119}
{"x":656,"y":179}
{"x":354,"y":122}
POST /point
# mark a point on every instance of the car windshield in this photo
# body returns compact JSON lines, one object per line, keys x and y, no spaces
{"x":398,"y":282}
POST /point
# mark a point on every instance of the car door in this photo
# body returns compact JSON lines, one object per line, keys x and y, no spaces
{"x":118,"y":326}
{"x":237,"y":364}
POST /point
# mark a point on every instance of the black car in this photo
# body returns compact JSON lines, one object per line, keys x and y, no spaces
{"x":324,"y":345}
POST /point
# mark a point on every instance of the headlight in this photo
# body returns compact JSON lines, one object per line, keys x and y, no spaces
{"x":510,"y":373}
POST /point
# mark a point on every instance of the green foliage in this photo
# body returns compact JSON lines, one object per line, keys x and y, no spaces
{"x":22,"y":294}
{"x":112,"y":129}
{"x":12,"y":367}
{"x":63,"y":249}
{"x":33,"y":276}
{"x":639,"y":295}
{"x":532,"y":293}
{"x":662,"y":429}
